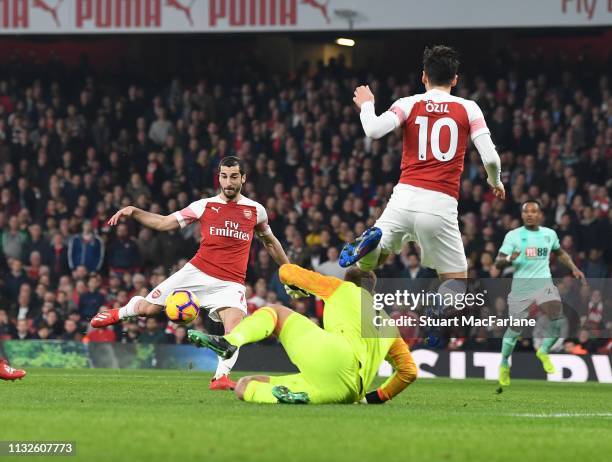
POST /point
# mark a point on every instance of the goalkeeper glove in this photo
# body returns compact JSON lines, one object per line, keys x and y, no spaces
{"x":372,"y":398}
{"x":295,"y":292}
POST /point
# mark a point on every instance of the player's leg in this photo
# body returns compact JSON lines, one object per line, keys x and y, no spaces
{"x":441,"y":245}
{"x":243,"y":382}
{"x":261,"y":324}
{"x":137,"y":306}
{"x":329,"y":372}
{"x":441,"y":249}
{"x":550,"y":302}
{"x":387,"y":236}
{"x":226,"y":303}
{"x":230,"y":317}
{"x":518,"y":308}
{"x":187,"y":278}
{"x":324,"y":359}
{"x":271,"y":390}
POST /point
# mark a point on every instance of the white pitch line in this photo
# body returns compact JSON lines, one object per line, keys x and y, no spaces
{"x":564,"y":414}
{"x":114,"y":376}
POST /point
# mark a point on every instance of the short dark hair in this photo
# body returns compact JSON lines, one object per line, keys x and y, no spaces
{"x":232,"y":161}
{"x":364,"y":279}
{"x":531,"y":201}
{"x":441,"y":64}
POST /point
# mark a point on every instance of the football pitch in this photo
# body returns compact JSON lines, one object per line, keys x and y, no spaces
{"x":127,"y":415}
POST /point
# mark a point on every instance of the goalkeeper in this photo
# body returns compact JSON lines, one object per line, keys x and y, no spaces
{"x":338,"y":363}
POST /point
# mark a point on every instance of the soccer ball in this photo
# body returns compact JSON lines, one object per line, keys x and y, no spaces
{"x":182,"y":307}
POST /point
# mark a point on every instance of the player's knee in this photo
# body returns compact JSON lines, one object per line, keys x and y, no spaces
{"x":241,"y":387}
{"x":231,"y":317}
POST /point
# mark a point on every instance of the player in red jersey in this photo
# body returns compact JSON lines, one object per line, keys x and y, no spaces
{"x":423,"y":206}
{"x":216,"y":273}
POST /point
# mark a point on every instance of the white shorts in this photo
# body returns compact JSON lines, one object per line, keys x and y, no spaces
{"x":438,"y":236}
{"x":212,"y":293}
{"x":518,"y":307}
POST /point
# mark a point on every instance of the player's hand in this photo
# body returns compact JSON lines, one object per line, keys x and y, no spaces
{"x":124,"y":212}
{"x":372,"y":398}
{"x":498,"y":190}
{"x":362,"y":95}
{"x":295,"y":292}
{"x":514,"y":255}
{"x":580,"y":276}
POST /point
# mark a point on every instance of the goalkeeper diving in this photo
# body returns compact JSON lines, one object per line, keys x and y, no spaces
{"x":336,"y":363}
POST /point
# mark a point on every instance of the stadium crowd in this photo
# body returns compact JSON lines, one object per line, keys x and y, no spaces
{"x":75,"y":147}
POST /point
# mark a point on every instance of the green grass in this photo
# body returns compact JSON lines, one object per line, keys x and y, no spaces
{"x":121,"y":415}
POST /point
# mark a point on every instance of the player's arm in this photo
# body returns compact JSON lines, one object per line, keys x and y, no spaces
{"x":405,"y":372}
{"x":503,"y":260}
{"x":565,"y":259}
{"x":492,"y":163}
{"x":148,"y":219}
{"x":374,"y":126}
{"x":274,"y":247}
{"x":309,"y":281}
{"x":508,"y":252}
{"x":268,"y":239}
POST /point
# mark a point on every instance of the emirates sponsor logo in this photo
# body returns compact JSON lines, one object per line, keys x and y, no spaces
{"x":231,"y":230}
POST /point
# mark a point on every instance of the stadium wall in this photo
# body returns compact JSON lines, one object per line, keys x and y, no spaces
{"x":272,"y":358}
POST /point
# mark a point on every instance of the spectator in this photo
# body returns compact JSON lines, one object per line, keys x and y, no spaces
{"x":7,"y":329}
{"x":23,"y":331}
{"x":161,"y":129}
{"x":123,"y":252}
{"x":131,"y":332}
{"x":86,"y":249}
{"x":331,"y":266}
{"x":180,"y":336}
{"x":13,"y":239}
{"x":92,"y":299}
{"x":258,"y":298}
{"x":59,"y":256}
{"x":414,"y":270}
{"x":15,"y":279}
{"x":153,"y":333}
{"x":105,"y":335}
{"x":71,"y":332}
{"x":38,"y":244}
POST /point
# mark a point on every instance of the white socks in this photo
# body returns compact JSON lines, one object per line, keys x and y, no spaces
{"x":129,"y":310}
{"x":225,"y":365}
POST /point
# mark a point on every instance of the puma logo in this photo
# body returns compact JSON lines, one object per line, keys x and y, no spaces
{"x":322,"y":7}
{"x":185,"y":9}
{"x":43,"y":5}
{"x":216,"y":209}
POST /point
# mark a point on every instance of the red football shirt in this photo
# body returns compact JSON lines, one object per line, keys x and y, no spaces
{"x":436,"y":130}
{"x":227,"y":232}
